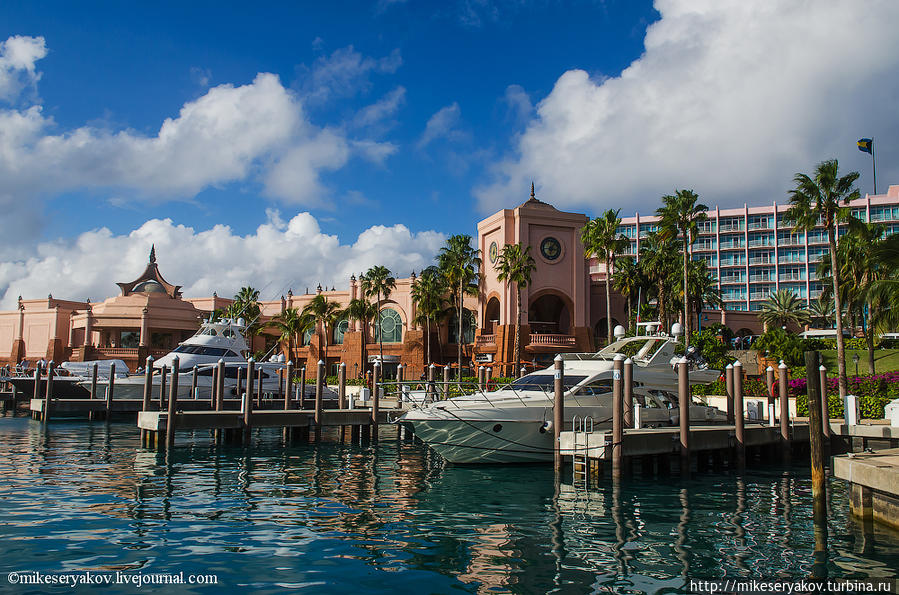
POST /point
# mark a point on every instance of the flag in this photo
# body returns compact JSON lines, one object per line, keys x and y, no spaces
{"x":866,"y":145}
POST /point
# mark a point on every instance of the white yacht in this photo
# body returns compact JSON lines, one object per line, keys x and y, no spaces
{"x":219,"y":340}
{"x":514,"y":423}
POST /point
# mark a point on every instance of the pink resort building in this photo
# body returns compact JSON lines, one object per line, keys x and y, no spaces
{"x":749,"y":250}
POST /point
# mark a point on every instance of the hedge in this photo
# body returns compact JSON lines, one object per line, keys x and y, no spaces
{"x":874,"y":392}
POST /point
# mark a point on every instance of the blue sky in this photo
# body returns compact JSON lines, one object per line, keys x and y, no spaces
{"x":364,"y":132}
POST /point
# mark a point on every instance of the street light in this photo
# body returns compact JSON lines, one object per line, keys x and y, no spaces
{"x":855,"y":358}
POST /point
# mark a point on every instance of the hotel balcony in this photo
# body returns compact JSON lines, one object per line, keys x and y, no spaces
{"x":551,"y":340}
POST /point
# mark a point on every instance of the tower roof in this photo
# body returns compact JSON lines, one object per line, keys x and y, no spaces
{"x":151,"y":281}
{"x":533,"y":201}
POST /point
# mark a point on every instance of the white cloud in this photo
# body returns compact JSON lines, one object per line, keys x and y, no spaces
{"x":730,"y":98}
{"x":278,"y":256}
{"x":383,"y":109}
{"x":18,"y":55}
{"x":518,"y":102}
{"x":442,"y":124}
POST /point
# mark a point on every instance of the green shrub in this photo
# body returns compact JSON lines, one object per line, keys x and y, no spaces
{"x":873,"y":392}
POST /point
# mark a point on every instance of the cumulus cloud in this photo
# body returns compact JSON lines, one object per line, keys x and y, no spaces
{"x":518,"y":103}
{"x":279,"y":255}
{"x":257,"y":131}
{"x":442,"y":124}
{"x":18,"y":56}
{"x":730,"y":98}
{"x":383,"y":109}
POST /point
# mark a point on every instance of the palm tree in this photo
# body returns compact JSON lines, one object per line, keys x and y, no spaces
{"x":459,"y":264}
{"x":703,"y":289}
{"x":817,"y":201}
{"x":783,"y":307}
{"x":627,"y":281}
{"x":886,"y":288}
{"x":325,"y":314}
{"x":601,"y":239}
{"x":363,"y":311}
{"x":427,"y":294}
{"x":289,"y":324}
{"x":515,"y":265}
{"x":821,"y":312}
{"x":377,"y":282}
{"x":680,"y":215}
{"x":658,"y":264}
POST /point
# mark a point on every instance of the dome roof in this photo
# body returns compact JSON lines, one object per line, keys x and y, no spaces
{"x":148,"y":287}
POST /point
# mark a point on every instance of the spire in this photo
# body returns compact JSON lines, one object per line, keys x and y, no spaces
{"x":152,"y":253}
{"x":532,"y":190}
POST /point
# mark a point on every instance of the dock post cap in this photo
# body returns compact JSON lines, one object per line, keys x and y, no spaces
{"x":321,"y":363}
{"x":290,"y":363}
{"x":683,"y":360}
{"x":432,"y":365}
{"x":769,"y":369}
{"x":251,"y":360}
{"x":729,"y":367}
{"x":628,"y":362}
{"x":821,"y":368}
{"x":558,"y":358}
{"x":222,"y":360}
{"x":176,"y":359}
{"x":342,"y":364}
{"x":737,"y":364}
{"x":150,"y":359}
{"x":618,"y":358}
{"x":782,"y":365}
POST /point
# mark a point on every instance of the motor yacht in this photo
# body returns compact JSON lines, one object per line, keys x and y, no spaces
{"x":514,"y":423}
{"x":71,"y":380}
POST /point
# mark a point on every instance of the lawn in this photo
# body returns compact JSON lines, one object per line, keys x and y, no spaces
{"x":885,"y":360}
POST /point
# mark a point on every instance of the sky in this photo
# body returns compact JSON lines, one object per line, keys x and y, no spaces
{"x":294,"y":144}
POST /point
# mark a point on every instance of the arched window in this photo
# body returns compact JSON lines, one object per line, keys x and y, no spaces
{"x":307,"y":337}
{"x":391,"y":326}
{"x":469,"y":325}
{"x":339,"y":329}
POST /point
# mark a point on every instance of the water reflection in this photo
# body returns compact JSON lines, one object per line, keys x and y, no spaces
{"x":391,"y":516}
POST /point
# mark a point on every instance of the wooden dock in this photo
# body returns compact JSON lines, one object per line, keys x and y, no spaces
{"x":874,"y":484}
{"x":91,"y":407}
{"x":157,"y":421}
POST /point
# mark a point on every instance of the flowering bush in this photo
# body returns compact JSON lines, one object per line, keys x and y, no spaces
{"x":874,"y":392}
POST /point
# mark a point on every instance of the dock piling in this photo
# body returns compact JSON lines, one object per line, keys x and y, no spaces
{"x":319,"y":395}
{"x":173,"y":404}
{"x":148,"y":392}
{"x":729,"y":389}
{"x":769,"y":384}
{"x":163,"y":377}
{"x":288,"y":385}
{"x":446,"y":382}
{"x":684,"y":399}
{"x":739,"y":417}
{"x":49,"y":395}
{"x":110,"y":388}
{"x":248,"y":398}
{"x":816,"y":444}
{"x":194,"y":394}
{"x":628,"y":393}
{"x":220,"y":385}
{"x":617,"y":416}
{"x":432,"y":388}
{"x":375,"y":399}
{"x":259,"y":375}
{"x":783,"y":372}
{"x":36,"y":393}
{"x":94,"y":373}
{"x":825,"y":411}
{"x":302,"y":387}
{"x":558,"y":411}
{"x":341,"y":386}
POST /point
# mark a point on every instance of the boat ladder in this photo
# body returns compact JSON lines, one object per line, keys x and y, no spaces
{"x":582,"y":428}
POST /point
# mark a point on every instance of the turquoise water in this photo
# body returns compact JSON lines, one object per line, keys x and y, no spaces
{"x":392,"y":517}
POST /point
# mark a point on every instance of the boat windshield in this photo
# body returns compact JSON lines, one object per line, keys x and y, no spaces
{"x":203,"y":350}
{"x":544,"y":382}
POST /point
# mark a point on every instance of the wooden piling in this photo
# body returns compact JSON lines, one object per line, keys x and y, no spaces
{"x":684,"y":399}
{"x":319,"y":395}
{"x":220,"y":385}
{"x":558,"y":410}
{"x":628,"y":378}
{"x":288,"y":385}
{"x":173,"y":404}
{"x":729,"y":390}
{"x":341,"y":385}
{"x":816,"y":441}
{"x":482,"y":376}
{"x":783,"y":372}
{"x":446,"y":382}
{"x":148,"y":391}
{"x":432,"y":388}
{"x":825,"y":410}
{"x":36,"y":392}
{"x":375,"y":399}
{"x":94,"y":373}
{"x":769,"y":384}
{"x":239,"y":388}
{"x":303,"y":387}
{"x":617,"y":416}
{"x":193,"y":382}
{"x":738,"y":415}
{"x":110,"y":388}
{"x":259,"y":377}
{"x":248,"y":397}
{"x":163,"y":377}
{"x":48,"y":403}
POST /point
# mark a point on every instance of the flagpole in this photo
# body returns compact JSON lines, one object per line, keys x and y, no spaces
{"x":874,"y":165}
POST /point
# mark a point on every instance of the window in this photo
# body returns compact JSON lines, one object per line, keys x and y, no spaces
{"x":628,"y":231}
{"x":792,"y":273}
{"x":597,"y":387}
{"x":390,"y":327}
{"x":790,"y":238}
{"x":733,"y":241}
{"x":791,"y":255}
{"x":130,"y":339}
{"x":468,"y":327}
{"x":760,"y":221}
{"x":732,"y":224}
{"x":339,"y":329}
{"x":761,"y":257}
{"x":544,"y":382}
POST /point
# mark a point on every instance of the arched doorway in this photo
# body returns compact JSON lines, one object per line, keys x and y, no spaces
{"x":601,"y":330}
{"x":491,"y":316}
{"x":549,"y":314}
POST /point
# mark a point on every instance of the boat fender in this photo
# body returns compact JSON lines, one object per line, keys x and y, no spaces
{"x":546,"y":427}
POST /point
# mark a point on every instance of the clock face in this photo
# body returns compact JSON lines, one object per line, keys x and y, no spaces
{"x":550,"y":248}
{"x":494,"y":252}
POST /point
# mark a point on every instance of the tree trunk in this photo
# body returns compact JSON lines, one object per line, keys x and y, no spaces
{"x":838,"y":311}
{"x":869,"y":340}
{"x":687,"y":322}
{"x":517,"y":347}
{"x":380,"y":333}
{"x":459,"y":338}
{"x":608,"y":299}
{"x":428,"y":342}
{"x":630,"y":313}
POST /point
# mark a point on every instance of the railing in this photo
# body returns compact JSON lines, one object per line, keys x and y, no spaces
{"x":119,"y":351}
{"x":487,"y":340}
{"x":552,"y":340}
